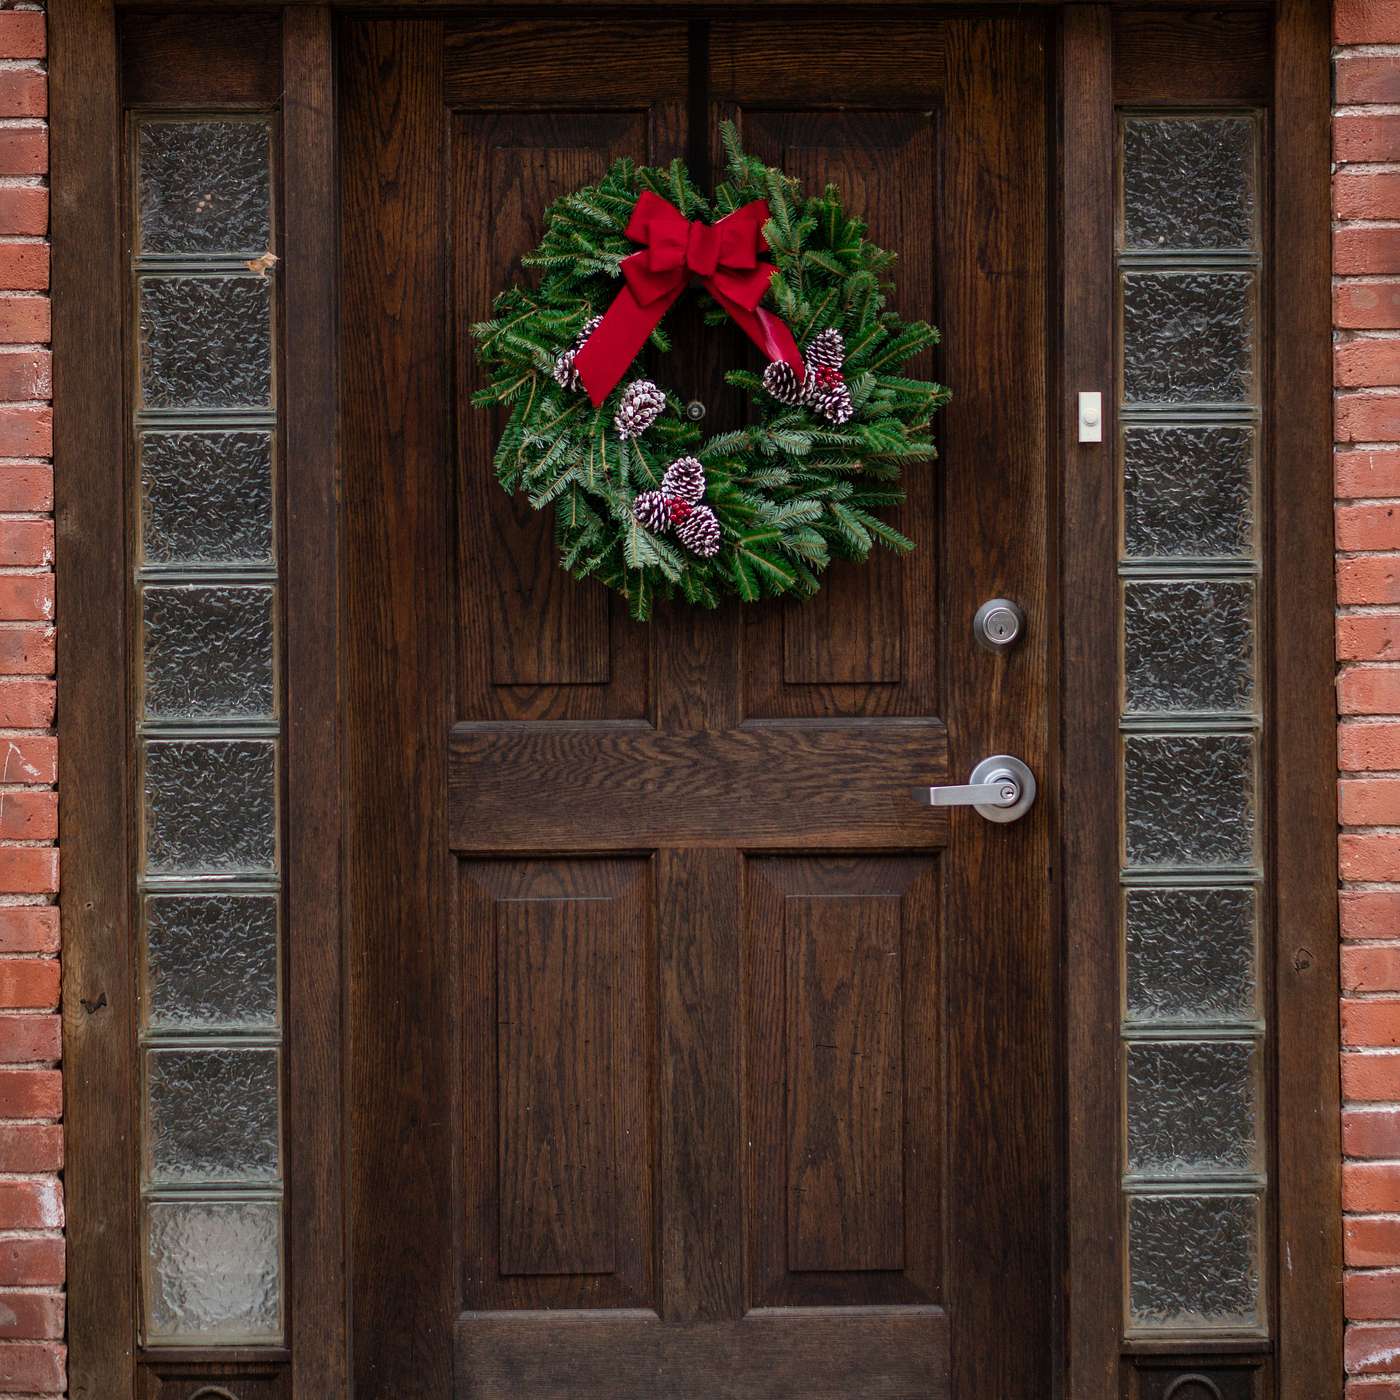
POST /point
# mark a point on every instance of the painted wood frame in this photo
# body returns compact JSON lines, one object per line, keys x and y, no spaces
{"x":89,"y":351}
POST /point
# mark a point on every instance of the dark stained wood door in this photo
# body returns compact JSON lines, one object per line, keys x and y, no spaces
{"x":688,"y":1056}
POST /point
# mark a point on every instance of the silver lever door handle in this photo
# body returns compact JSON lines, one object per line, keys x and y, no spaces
{"x":1001,"y":788}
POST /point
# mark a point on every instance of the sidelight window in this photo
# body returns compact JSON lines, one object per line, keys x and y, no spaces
{"x":204,"y":448}
{"x":1194,"y":1174}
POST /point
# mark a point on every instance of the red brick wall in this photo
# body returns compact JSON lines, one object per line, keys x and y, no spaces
{"x":32,"y":1358}
{"x":1366,"y":267}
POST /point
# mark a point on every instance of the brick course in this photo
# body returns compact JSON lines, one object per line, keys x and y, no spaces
{"x":33,"y":1359}
{"x":1366,"y":374}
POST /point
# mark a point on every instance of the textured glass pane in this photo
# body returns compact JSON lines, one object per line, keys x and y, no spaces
{"x":206,"y":497}
{"x":208,"y":651}
{"x":211,"y":1116}
{"x":204,"y":187}
{"x":1188,"y":492}
{"x":214,"y":1272}
{"x":1192,"y":1107}
{"x":206,"y":342}
{"x":1193,"y":1262}
{"x":211,"y":806}
{"x":1188,"y":646}
{"x":1188,"y":337}
{"x":211,"y":961}
{"x":1191,"y":955}
{"x":1188,"y":183}
{"x":1189,"y":799}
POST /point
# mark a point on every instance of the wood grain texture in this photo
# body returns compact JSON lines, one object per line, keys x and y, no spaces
{"x":601,"y":787}
{"x":843,"y":1081}
{"x":997,"y":504}
{"x":168,"y":60}
{"x":393,"y":434}
{"x":1164,"y":56}
{"x":1089,"y":711}
{"x":1302,"y":755}
{"x":315,"y":1185}
{"x":98,"y":1048}
{"x":815,"y":1354}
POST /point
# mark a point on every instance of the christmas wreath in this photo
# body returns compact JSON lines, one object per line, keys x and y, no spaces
{"x":642,"y":499}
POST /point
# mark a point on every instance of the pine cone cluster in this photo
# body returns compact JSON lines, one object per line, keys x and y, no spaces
{"x":565,"y":371}
{"x":684,"y":478}
{"x":676,"y":506}
{"x":642,"y":404}
{"x":823,"y":387}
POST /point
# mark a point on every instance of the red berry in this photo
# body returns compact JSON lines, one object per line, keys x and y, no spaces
{"x":677,"y":509}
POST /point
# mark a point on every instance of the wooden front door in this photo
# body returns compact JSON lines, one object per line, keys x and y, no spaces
{"x":689,"y":1056}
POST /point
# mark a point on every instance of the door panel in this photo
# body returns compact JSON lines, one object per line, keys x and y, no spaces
{"x":722,"y":1048}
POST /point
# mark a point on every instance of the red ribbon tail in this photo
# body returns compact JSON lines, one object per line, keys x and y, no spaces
{"x":769,"y":332}
{"x":615,"y":344}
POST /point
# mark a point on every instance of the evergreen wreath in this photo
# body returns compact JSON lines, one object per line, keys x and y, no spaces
{"x":642,"y":500}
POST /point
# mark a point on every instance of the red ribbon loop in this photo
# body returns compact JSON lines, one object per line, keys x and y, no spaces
{"x":725,"y":259}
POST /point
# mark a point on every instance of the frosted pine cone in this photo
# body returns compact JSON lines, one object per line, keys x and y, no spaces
{"x":565,"y":372}
{"x":829,"y":396}
{"x":780,"y":379}
{"x":685,"y":479}
{"x":827,"y":351}
{"x":699,"y":532}
{"x":642,"y":404}
{"x":651,"y":509}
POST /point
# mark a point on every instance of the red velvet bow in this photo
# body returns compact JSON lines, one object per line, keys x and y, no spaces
{"x":723,"y":256}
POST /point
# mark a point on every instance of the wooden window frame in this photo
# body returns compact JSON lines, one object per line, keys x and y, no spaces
{"x":88,"y":281}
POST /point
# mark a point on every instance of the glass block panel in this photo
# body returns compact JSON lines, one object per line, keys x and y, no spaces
{"x":208,"y":651}
{"x":1188,"y":337}
{"x":1191,"y":955}
{"x":210,"y":806}
{"x":1189,"y":800}
{"x":211,"y":1116}
{"x":205,"y":341}
{"x":203,"y":187}
{"x":1189,"y":183}
{"x":1193,"y":1263}
{"x":1188,"y":646}
{"x":211,"y":962}
{"x":1192,"y":1107}
{"x":214,"y":1272}
{"x":206,"y":497}
{"x":1188,"y":492}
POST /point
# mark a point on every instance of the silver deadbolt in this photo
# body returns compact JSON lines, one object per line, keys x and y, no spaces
{"x":1001,"y":788}
{"x":998,"y":624}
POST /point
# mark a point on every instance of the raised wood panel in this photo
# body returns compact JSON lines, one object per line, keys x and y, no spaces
{"x":863,"y":645}
{"x":167,"y":60}
{"x":888,"y":63}
{"x":843,"y":1075}
{"x":814,"y":1354}
{"x":1163,"y":55}
{"x":845,"y":1084}
{"x":601,"y":787}
{"x":610,"y":64}
{"x":558,"y":974}
{"x":557,"y":1072}
{"x":509,"y":168}
{"x":526,"y":131}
